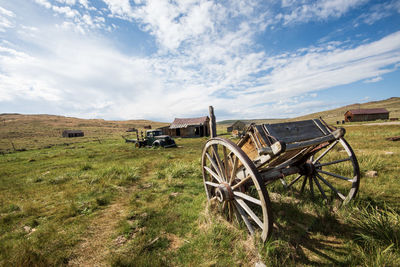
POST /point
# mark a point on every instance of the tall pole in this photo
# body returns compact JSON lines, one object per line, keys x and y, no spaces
{"x":213,"y":124}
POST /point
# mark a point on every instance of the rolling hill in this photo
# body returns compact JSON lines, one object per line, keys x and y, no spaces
{"x":18,"y":131}
{"x":331,"y":116}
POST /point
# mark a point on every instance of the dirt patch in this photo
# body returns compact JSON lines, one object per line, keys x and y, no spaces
{"x":384,"y":123}
{"x":95,"y":248}
{"x":174,"y":241}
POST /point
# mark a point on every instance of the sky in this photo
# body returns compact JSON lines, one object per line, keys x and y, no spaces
{"x":157,"y":60}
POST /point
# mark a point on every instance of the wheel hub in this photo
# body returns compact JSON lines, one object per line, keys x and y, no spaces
{"x":224,"y":193}
{"x":309,"y":168}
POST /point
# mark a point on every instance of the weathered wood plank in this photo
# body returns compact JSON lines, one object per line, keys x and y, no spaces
{"x":213,"y":124}
{"x":290,"y":132}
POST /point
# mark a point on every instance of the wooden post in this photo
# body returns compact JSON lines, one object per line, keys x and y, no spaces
{"x":13,"y":145}
{"x":213,"y":124}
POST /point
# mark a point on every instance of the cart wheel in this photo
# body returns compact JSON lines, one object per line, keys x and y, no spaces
{"x":231,"y":179}
{"x":333,"y":172}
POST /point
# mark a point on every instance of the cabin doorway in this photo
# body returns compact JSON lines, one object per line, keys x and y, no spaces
{"x":201,"y":131}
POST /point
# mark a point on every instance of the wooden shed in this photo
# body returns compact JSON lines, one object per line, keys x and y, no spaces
{"x":190,"y":127}
{"x":237,"y":125}
{"x":370,"y":114}
{"x":72,"y":133}
{"x":165,"y":130}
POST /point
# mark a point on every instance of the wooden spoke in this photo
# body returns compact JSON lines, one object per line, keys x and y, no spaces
{"x":249,"y":211}
{"x":335,"y":175}
{"x":310,"y":180}
{"x":294,"y":181}
{"x":211,"y":184}
{"x":230,"y":214}
{"x":226,"y":164}
{"x":331,"y":187}
{"x":241,"y":182}
{"x":303,"y":185}
{"x":325,"y":152}
{"x":213,"y":174}
{"x":222,"y":171}
{"x":218,"y":159}
{"x":214,"y":164}
{"x":213,"y":198}
{"x":332,"y":162}
{"x":234,"y":169}
{"x":224,"y":206}
{"x":244,"y":217}
{"x":332,"y":169}
{"x":247,"y":197}
{"x":319,"y":187}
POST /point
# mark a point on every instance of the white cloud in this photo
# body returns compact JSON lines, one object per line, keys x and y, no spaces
{"x":6,"y":17}
{"x":380,"y":11}
{"x":120,"y":8}
{"x":7,"y":13}
{"x":66,"y":10}
{"x":44,"y":3}
{"x":207,"y":55}
{"x":320,"y":10}
{"x":67,"y":2}
{"x":374,"y":80}
{"x":174,"y":22}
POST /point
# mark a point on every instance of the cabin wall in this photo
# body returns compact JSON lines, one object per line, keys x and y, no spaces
{"x":190,"y":131}
{"x":366,"y":117}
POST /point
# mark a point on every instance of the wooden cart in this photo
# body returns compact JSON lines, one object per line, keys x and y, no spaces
{"x":302,"y":155}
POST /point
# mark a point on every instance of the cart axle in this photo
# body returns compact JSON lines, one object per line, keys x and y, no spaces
{"x":224,"y":192}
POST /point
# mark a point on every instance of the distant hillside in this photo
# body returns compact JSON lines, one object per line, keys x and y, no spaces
{"x":33,"y":131}
{"x":331,"y":116}
{"x":257,"y":121}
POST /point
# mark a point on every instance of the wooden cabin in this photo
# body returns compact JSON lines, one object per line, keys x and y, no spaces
{"x":237,"y":125}
{"x":72,"y":133}
{"x":370,"y":114}
{"x":164,"y":130}
{"x":190,"y":127}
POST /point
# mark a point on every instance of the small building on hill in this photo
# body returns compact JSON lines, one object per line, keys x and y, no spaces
{"x":370,"y":114}
{"x":131,"y":130}
{"x":72,"y":133}
{"x":237,"y":125}
{"x":190,"y":127}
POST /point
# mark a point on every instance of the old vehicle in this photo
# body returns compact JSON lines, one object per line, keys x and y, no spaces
{"x":153,"y":138}
{"x":304,"y":155}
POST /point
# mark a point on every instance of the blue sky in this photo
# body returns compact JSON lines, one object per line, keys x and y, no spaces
{"x":133,"y":59}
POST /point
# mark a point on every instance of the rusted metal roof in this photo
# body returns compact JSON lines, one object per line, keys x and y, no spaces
{"x":368,"y":111}
{"x":185,"y":122}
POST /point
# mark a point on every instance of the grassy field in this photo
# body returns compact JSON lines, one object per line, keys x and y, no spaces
{"x":99,"y":204}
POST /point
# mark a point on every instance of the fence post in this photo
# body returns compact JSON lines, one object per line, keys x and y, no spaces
{"x":213,"y":124}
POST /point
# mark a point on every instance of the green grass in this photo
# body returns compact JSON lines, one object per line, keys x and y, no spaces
{"x":50,"y":200}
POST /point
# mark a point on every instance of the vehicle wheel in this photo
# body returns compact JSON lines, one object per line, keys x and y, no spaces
{"x":156,"y":144}
{"x":231,"y":179}
{"x":333,"y":172}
